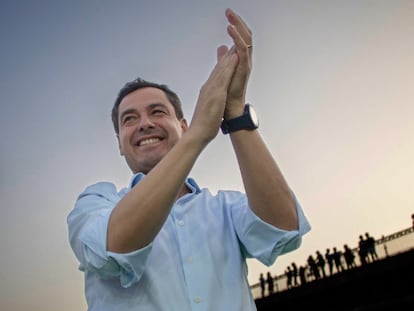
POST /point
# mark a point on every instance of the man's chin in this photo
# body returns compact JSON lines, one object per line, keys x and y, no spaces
{"x":143,"y":167}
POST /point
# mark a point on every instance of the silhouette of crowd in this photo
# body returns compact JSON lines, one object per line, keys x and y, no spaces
{"x":333,"y":261}
{"x":319,"y":266}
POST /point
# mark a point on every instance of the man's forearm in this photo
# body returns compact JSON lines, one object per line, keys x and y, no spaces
{"x":268,"y":193}
{"x":139,"y":216}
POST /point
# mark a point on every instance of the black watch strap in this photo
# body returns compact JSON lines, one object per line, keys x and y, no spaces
{"x":247,"y":121}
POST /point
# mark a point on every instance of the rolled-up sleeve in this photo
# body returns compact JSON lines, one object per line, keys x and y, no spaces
{"x":263,"y":241}
{"x":88,"y":225}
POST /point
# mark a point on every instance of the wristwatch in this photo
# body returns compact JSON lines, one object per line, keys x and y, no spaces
{"x":247,"y":121}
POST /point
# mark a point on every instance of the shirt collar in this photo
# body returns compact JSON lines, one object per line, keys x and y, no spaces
{"x":190,"y":182}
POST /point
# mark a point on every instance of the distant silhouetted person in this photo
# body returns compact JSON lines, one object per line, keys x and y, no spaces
{"x":337,"y":256}
{"x":329,"y":260}
{"x":362,"y":250}
{"x":302,"y":275}
{"x":289,"y":275}
{"x":349,"y":257}
{"x":371,"y":248}
{"x":313,"y":268}
{"x":270,"y":283}
{"x":320,"y":261}
{"x":385,"y":246}
{"x":412,"y":219}
{"x":262,"y":284}
{"x":295,"y":274}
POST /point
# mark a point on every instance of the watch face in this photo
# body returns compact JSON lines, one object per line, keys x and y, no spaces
{"x":253,"y":115}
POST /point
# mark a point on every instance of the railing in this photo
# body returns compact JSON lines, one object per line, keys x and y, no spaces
{"x":389,"y":245}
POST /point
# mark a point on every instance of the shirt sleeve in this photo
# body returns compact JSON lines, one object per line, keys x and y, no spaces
{"x":263,"y":241}
{"x":88,"y":224}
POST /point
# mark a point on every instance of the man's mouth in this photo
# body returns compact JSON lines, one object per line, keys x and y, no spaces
{"x":148,"y":141}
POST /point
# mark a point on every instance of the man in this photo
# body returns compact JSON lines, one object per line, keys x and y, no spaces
{"x":371,"y":247}
{"x":262,"y":284}
{"x":163,"y":243}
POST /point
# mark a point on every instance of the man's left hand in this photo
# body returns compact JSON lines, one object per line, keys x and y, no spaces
{"x":242,"y":39}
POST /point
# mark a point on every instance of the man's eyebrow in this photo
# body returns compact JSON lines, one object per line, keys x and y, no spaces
{"x":155,"y":105}
{"x":128,"y":111}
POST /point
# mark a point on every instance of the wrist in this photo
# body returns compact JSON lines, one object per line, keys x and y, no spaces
{"x":234,"y":112}
{"x":198,"y":136}
{"x":246,"y":121}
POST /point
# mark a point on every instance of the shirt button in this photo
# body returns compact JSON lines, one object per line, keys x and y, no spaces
{"x":181,"y":223}
{"x":189,"y":259}
{"x":197,"y":299}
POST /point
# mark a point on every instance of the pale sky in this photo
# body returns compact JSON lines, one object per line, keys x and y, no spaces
{"x":332,"y":83}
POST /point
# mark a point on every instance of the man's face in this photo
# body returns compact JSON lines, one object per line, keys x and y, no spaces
{"x":148,"y":128}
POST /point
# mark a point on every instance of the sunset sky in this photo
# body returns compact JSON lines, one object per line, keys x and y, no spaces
{"x":332,"y":83}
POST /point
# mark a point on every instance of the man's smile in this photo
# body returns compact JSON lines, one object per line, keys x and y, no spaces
{"x":148,"y":141}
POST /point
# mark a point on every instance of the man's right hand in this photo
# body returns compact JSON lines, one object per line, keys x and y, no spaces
{"x":211,"y":102}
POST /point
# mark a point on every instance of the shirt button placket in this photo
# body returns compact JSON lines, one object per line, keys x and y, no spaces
{"x":189,"y":260}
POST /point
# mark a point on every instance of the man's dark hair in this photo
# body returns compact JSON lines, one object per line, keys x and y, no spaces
{"x":139,"y":83}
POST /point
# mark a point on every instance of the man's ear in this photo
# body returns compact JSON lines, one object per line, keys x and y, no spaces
{"x":184,"y":125}
{"x":119,"y":145}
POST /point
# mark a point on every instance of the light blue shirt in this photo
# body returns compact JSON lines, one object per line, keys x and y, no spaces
{"x":196,"y":262}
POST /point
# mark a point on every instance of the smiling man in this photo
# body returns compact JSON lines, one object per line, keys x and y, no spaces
{"x":163,"y":243}
{"x":159,"y":127}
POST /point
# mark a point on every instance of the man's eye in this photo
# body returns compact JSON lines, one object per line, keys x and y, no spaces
{"x":128,"y":119}
{"x":158,"y":111}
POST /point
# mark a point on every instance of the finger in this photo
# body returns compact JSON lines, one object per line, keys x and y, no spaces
{"x":224,"y":69}
{"x":241,"y":26}
{"x":227,"y":60}
{"x":243,"y":48}
{"x":221,"y":51}
{"x":226,"y":66}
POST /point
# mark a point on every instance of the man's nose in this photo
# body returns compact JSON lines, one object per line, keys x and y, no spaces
{"x":144,"y":123}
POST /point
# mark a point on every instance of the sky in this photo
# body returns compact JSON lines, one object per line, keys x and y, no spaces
{"x":332,"y":83}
